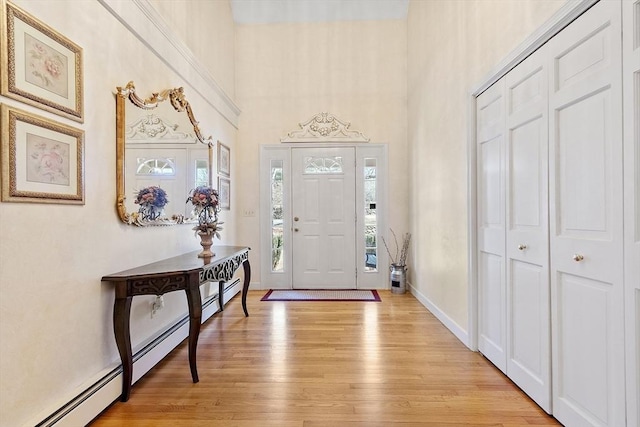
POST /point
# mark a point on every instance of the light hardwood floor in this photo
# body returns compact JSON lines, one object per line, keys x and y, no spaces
{"x":313,"y":364}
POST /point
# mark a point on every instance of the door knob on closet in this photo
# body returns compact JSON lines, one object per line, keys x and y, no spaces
{"x":295,"y":229}
{"x":578,"y":257}
{"x":295,"y":218}
{"x":522,"y":247}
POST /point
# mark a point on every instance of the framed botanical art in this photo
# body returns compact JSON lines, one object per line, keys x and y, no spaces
{"x":42,"y":160}
{"x":224,"y":160}
{"x":224,"y":193}
{"x":39,"y":66}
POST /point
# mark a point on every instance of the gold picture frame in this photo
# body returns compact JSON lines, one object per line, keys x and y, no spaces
{"x":224,"y":193}
{"x":42,"y":160}
{"x":38,"y":65}
{"x":224,"y":160}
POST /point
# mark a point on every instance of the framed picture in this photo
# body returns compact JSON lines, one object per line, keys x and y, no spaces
{"x":224,"y":160}
{"x":42,"y":161}
{"x":39,"y":66}
{"x":224,"y":192}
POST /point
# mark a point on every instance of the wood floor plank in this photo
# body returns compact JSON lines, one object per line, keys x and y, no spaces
{"x":313,"y":364}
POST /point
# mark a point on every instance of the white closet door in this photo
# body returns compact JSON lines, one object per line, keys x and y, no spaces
{"x":491,"y":224}
{"x":631,"y":85}
{"x":586,"y":220}
{"x":527,"y":240}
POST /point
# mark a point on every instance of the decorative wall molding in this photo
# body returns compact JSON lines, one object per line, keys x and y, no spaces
{"x":153,"y":128}
{"x":169,"y":48}
{"x":324,"y":127}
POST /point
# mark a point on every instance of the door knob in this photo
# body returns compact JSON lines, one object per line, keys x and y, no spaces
{"x":522,"y":247}
{"x":295,"y":218}
{"x":295,"y":229}
{"x":578,"y":257}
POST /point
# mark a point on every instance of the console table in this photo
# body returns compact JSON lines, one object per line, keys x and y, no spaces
{"x":184,"y":272}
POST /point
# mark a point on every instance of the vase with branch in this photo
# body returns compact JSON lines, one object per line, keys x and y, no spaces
{"x":398,"y":268}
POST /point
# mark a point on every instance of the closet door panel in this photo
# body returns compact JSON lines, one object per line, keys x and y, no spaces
{"x":631,"y":85}
{"x":585,"y":105}
{"x":491,"y":224}
{"x":583,"y":326}
{"x":527,"y":232}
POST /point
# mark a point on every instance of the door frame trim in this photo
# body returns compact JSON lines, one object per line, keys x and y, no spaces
{"x":563,"y":17}
{"x":268,"y":152}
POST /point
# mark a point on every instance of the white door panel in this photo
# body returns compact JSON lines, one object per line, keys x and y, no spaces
{"x":585,"y":183}
{"x":527,"y":233}
{"x":492,"y":310}
{"x":324,"y":254}
{"x":631,"y":91}
{"x":491,"y":224}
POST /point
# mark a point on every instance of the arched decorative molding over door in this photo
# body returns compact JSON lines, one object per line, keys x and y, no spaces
{"x":324,"y":127}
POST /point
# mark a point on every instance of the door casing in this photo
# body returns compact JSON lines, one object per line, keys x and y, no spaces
{"x":269,"y":279}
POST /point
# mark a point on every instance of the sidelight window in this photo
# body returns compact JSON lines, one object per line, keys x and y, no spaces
{"x":370,"y":215}
{"x":202,"y":173}
{"x":277,"y":217}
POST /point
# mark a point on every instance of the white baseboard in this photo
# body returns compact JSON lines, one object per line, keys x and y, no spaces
{"x":99,"y":395}
{"x":447,"y":321}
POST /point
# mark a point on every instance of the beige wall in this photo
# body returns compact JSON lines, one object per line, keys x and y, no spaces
{"x":452,"y":45}
{"x":56,"y":334}
{"x":286,"y":73}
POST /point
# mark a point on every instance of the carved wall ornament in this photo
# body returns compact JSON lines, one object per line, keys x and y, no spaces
{"x":324,"y":127}
{"x":153,"y":127}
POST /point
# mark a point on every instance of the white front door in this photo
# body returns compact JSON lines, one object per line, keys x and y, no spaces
{"x":323,"y":223}
{"x":586,"y":220}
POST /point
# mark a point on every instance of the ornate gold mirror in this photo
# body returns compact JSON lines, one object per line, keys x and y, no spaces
{"x":161,"y":155}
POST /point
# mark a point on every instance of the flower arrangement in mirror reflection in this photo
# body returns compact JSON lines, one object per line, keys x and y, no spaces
{"x":206,"y":205}
{"x":152,"y":201}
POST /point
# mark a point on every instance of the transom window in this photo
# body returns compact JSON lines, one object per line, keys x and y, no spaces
{"x":322,"y":165}
{"x":159,"y":166}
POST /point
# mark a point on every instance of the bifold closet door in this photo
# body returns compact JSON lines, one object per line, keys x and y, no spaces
{"x":527,"y":227}
{"x":490,"y":140}
{"x":586,"y":219}
{"x":631,"y":85}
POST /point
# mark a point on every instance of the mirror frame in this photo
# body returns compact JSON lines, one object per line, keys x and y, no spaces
{"x":180,"y":104}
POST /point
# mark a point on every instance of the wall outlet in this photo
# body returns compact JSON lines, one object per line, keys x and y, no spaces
{"x":249,"y":212}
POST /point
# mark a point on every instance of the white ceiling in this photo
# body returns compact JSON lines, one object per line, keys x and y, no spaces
{"x":279,"y":11}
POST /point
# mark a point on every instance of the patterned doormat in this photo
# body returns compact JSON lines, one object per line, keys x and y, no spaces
{"x":320,"y":295}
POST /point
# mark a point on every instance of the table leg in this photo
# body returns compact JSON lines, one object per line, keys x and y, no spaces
{"x":195,"y":317}
{"x":245,"y":286}
{"x":221,"y":294}
{"x":121,"y":313}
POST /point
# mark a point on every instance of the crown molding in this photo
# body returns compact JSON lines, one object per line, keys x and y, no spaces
{"x":135,"y":15}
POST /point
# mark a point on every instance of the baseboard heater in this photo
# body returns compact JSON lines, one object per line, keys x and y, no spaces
{"x":88,"y":404}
